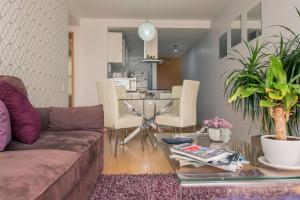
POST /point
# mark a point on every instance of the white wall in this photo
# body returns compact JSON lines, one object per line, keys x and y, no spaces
{"x":91,"y":51}
{"x":90,"y":60}
{"x":202,"y":62}
{"x":34,"y":47}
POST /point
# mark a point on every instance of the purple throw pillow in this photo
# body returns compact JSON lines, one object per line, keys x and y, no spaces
{"x":5,"y":130}
{"x":24,"y":119}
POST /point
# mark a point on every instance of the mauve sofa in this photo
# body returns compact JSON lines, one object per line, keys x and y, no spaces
{"x":60,"y":165}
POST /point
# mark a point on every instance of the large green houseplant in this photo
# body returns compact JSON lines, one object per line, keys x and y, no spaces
{"x":276,"y":93}
{"x":267,"y":88}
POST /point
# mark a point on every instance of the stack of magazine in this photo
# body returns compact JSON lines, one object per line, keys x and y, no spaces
{"x":197,"y":156}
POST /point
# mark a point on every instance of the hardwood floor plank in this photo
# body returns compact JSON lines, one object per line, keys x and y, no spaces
{"x":131,"y":159}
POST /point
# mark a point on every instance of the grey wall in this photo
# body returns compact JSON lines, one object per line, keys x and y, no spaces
{"x":202,"y":61}
{"x":34,"y":47}
{"x":136,"y":65}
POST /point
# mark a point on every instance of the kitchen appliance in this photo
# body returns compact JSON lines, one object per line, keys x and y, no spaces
{"x":141,"y":79}
{"x":129,"y":83}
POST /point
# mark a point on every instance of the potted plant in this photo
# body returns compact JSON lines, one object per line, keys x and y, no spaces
{"x":281,"y":98}
{"x":218,"y":129}
{"x":267,"y":89}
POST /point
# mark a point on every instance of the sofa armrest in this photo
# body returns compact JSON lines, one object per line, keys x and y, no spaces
{"x":76,"y":118}
{"x":44,"y":117}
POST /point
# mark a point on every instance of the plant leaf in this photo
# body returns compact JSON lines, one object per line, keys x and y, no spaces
{"x":269,"y":78}
{"x":277,"y":70}
{"x":275,"y":95}
{"x":298,"y":11}
{"x":243,"y":92}
{"x":284,"y":88}
{"x":266,"y":103}
{"x":294,"y":78}
{"x":290,"y":100}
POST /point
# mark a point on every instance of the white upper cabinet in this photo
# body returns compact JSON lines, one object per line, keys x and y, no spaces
{"x":116,"y":48}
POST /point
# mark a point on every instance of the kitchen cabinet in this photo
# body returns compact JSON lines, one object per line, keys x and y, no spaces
{"x":117,"y":50}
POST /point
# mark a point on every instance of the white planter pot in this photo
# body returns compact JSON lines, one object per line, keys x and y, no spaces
{"x":281,"y":152}
{"x":214,"y":134}
{"x":219,"y":135}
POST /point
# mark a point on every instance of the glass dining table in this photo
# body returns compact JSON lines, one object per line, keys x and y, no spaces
{"x":148,"y":119}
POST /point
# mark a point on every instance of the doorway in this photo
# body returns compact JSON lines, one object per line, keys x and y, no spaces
{"x":169,"y":73}
{"x":71,"y":70}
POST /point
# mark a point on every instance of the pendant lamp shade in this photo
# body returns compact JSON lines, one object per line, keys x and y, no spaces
{"x":147,"y":31}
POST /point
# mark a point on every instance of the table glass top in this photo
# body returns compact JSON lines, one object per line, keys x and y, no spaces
{"x":206,"y":175}
{"x":147,"y":98}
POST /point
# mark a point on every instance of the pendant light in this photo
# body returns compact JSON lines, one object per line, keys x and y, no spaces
{"x":175,"y":48}
{"x":147,"y":30}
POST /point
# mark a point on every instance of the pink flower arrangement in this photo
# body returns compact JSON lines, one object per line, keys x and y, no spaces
{"x":217,"y":123}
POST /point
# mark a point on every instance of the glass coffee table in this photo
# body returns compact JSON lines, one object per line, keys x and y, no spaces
{"x":253,"y":173}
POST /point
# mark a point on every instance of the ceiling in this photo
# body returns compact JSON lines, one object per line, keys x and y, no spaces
{"x":157,"y":9}
{"x":167,"y":38}
{"x":184,"y":38}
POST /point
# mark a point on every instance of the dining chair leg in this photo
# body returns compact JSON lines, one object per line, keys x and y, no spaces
{"x":142,"y":139}
{"x":180,"y":130}
{"x":145,"y":136}
{"x":116,"y":144}
{"x":195,"y":128}
{"x":126,"y":132}
{"x":153,"y":143}
{"x":110,"y":133}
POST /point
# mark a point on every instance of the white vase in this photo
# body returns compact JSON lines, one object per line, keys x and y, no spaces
{"x":214,"y":134}
{"x":219,"y":134}
{"x":281,"y":152}
{"x":225,"y":134}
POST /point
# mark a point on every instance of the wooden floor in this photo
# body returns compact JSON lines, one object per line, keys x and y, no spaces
{"x":131,"y":159}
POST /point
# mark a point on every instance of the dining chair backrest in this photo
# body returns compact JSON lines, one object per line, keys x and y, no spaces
{"x":121,"y":91}
{"x":122,"y":94}
{"x":176,"y":91}
{"x":176,"y":94}
{"x":188,"y":103}
{"x":108,"y":97}
{"x":99,"y":86}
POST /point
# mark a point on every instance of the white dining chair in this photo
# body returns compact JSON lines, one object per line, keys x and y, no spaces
{"x":187,"y":110}
{"x":122,"y":94}
{"x":176,"y":94}
{"x":113,"y":118}
{"x":121,"y":91}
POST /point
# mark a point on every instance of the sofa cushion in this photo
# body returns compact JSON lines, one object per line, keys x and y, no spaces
{"x":5,"y":130}
{"x":38,"y":174}
{"x":16,"y":83}
{"x":88,"y":143}
{"x":77,"y":118}
{"x":25,"y":121}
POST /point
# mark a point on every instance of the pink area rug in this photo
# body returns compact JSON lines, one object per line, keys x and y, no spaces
{"x":166,"y":187}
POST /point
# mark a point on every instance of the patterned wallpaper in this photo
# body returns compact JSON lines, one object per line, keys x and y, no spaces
{"x":34,"y":47}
